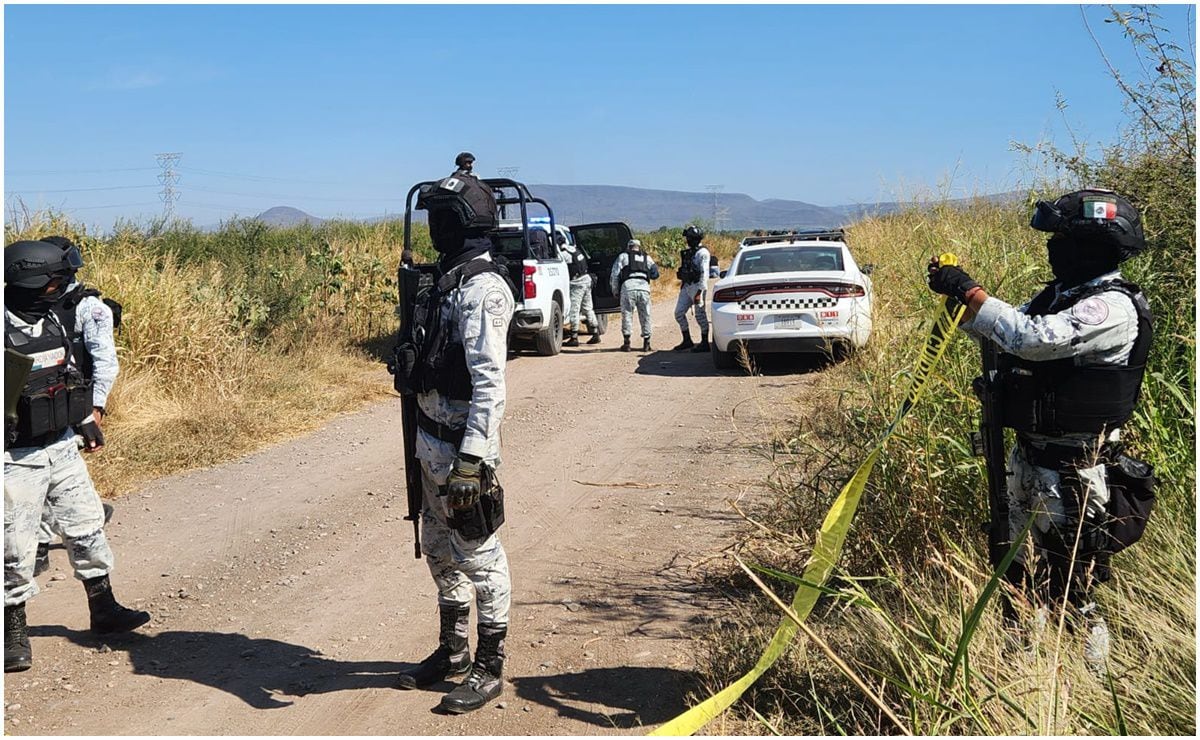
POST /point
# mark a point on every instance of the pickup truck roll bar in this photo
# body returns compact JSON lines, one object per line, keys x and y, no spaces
{"x":498,"y":185}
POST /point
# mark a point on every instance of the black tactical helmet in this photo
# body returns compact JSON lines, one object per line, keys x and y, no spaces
{"x":1093,"y":215}
{"x":32,"y":264}
{"x":692,"y":234}
{"x":464,"y":160}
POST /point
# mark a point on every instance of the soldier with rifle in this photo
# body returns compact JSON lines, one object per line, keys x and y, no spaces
{"x":449,"y":368}
{"x":1064,"y":371}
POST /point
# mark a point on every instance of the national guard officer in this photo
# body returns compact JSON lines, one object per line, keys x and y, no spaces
{"x":104,"y":371}
{"x":693,"y":290}
{"x":458,"y":374}
{"x":69,"y":338}
{"x":632,"y":272}
{"x":1070,"y":371}
{"x":581,"y":291}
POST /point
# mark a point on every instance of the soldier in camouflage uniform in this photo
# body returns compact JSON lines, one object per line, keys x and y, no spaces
{"x":581,"y":292}
{"x":631,"y":274}
{"x":693,"y":289}
{"x":461,"y":393}
{"x":68,"y":333}
{"x":1072,"y":366}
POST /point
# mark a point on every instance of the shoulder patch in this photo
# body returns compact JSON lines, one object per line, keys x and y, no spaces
{"x":496,"y":302}
{"x":1092,"y":311}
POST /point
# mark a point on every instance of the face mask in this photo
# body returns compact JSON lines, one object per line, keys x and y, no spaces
{"x":1075,"y":263}
{"x":32,"y":303}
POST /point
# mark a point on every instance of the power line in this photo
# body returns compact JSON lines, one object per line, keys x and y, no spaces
{"x":87,"y":190}
{"x":169,"y":177}
{"x":77,"y":172}
{"x":389,"y":199}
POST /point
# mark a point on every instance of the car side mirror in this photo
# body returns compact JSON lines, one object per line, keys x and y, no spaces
{"x":724,"y":273}
{"x":867,"y":269}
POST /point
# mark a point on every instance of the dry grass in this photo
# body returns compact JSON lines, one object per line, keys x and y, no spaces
{"x":915,"y":562}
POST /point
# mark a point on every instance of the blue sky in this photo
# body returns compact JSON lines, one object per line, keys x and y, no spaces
{"x":336,"y":110}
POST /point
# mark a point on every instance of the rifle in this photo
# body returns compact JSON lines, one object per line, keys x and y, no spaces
{"x":17,"y":367}
{"x":988,"y":442}
{"x":411,"y":283}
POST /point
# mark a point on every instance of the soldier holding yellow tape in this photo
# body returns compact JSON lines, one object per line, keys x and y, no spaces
{"x":1069,"y":372}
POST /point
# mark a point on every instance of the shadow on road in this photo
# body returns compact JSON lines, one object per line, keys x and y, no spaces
{"x":699,"y":364}
{"x":255,"y":670}
{"x":624,"y":697}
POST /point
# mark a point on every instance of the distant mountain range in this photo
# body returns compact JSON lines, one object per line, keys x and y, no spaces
{"x":645,"y":209}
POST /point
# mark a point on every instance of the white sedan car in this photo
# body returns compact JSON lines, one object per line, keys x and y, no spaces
{"x":791,"y":293}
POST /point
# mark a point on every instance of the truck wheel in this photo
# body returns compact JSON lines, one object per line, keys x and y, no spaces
{"x":548,"y":341}
{"x":601,"y":324}
{"x":722,"y":360}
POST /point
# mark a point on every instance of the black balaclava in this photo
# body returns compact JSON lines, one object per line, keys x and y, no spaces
{"x":32,"y":304}
{"x":1075,"y":261}
{"x":453,"y":243}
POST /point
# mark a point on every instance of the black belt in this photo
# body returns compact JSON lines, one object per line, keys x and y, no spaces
{"x":447,"y":434}
{"x":1060,"y":457}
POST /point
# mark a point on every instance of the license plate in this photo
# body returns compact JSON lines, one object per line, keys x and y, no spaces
{"x":791,"y":321}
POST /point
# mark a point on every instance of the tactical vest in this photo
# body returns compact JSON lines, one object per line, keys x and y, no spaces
{"x":471,"y":201}
{"x":638,"y":267}
{"x":688,"y":272}
{"x":441,"y":364}
{"x":1057,"y":396}
{"x":578,"y":266}
{"x":58,"y":392}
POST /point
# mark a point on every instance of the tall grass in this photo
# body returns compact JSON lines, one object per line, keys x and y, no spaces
{"x":233,"y":338}
{"x":916,"y":564}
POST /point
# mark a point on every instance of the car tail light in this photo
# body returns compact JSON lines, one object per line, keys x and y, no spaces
{"x":530,"y":286}
{"x":845,"y":290}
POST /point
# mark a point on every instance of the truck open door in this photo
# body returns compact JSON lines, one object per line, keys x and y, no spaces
{"x":602,"y":243}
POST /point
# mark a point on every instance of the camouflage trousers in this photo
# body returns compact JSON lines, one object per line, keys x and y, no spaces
{"x":1069,"y":510}
{"x":581,"y":301}
{"x":459,"y":565}
{"x":54,"y":476}
{"x":635,"y":299}
{"x":687,"y":301}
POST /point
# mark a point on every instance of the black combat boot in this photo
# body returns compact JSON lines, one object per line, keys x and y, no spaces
{"x":687,"y":343}
{"x":595,"y":336}
{"x":483,"y":683}
{"x":41,"y":562}
{"x":574,"y":339}
{"x":452,"y":657}
{"x":625,"y":347}
{"x":645,"y":344}
{"x":703,"y":346}
{"x":18,"y":655}
{"x":107,"y":615}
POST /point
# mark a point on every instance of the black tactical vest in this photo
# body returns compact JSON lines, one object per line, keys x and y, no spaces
{"x":578,"y":266}
{"x":58,"y":392}
{"x":441,"y":364}
{"x":1057,"y":396}
{"x":688,"y":271}
{"x":638,"y":267}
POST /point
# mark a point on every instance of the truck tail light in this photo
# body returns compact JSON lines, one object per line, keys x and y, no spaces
{"x":530,"y":286}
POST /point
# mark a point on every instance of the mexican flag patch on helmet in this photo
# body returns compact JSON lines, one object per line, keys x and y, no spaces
{"x":1099,"y":207}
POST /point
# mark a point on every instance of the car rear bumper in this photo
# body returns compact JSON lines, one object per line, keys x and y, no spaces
{"x":804,"y":345}
{"x":528,"y":320}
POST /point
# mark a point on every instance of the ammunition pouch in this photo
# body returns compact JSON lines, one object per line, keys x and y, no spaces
{"x":484,"y":518}
{"x":45,"y":413}
{"x":403,"y":366}
{"x":1130,"y":500}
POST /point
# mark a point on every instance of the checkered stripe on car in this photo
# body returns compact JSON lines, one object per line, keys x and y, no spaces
{"x":763,"y":304}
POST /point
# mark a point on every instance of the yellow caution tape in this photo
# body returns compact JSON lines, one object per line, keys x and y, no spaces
{"x":830,"y":538}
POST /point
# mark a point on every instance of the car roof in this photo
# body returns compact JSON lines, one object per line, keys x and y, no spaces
{"x":797,"y":242}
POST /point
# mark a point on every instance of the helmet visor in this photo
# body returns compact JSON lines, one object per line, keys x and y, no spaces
{"x":72,"y":258}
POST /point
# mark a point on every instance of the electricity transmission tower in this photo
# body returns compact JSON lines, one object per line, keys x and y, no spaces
{"x":169,"y":177}
{"x":508,"y":172}
{"x":719,"y":215}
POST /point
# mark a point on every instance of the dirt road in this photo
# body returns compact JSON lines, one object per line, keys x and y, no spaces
{"x":285,"y":595}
